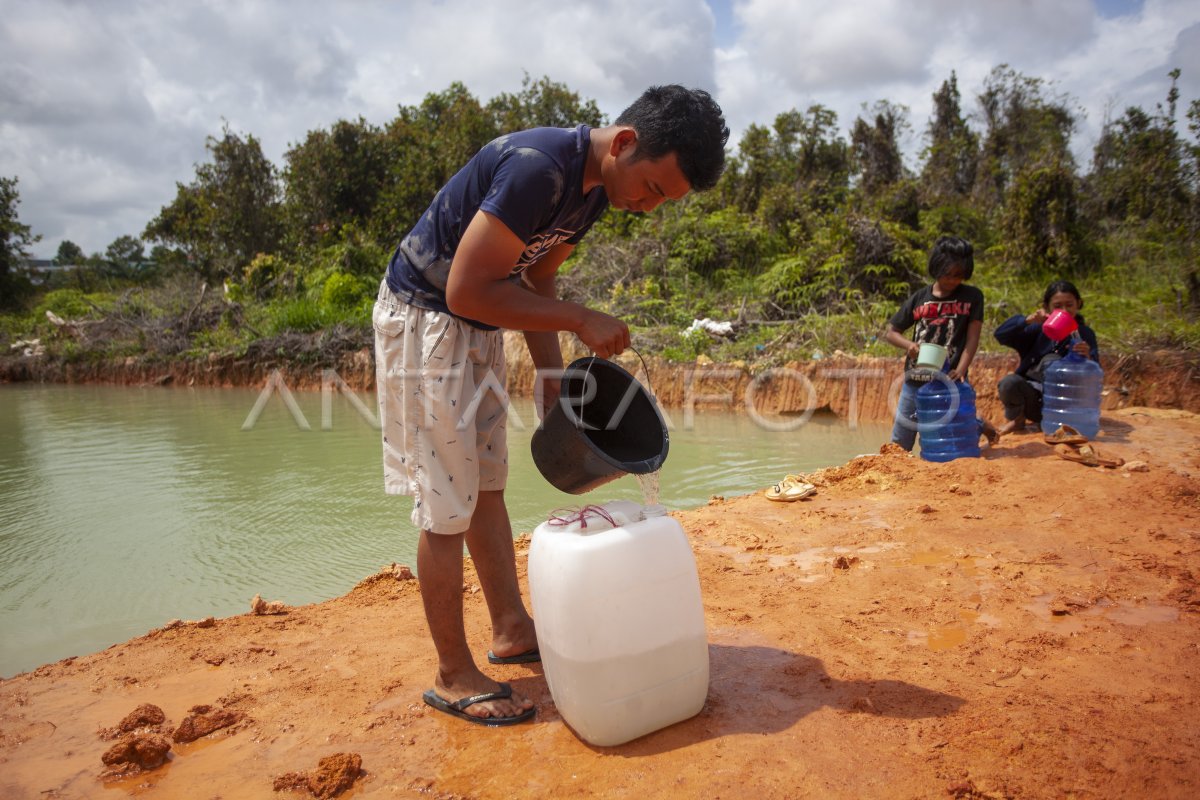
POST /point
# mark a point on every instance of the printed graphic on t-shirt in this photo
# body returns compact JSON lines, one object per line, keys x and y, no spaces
{"x":539,"y":245}
{"x":938,"y":322}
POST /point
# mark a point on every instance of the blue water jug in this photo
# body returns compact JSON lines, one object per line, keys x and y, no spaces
{"x":1071,"y":393}
{"x":946,"y":421}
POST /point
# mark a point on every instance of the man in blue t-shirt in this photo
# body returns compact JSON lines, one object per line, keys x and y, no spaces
{"x":483,"y":257}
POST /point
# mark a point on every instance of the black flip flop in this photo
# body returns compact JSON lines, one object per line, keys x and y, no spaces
{"x":528,"y":657}
{"x":457,"y":708}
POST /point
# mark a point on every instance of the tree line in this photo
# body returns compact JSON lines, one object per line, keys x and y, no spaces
{"x":804,"y":221}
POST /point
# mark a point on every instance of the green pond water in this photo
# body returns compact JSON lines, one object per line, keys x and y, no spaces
{"x":123,"y":508}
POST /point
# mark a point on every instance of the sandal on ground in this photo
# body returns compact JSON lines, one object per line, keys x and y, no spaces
{"x":791,"y":488}
{"x":458,"y":707}
{"x":528,"y":657}
{"x":1087,"y":455}
{"x":1065,"y":435}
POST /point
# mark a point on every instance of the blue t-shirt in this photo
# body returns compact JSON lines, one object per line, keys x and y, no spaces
{"x":1033,"y":346}
{"x":532,"y":181}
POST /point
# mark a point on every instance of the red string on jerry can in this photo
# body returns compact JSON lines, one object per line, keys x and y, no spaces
{"x":562,"y":517}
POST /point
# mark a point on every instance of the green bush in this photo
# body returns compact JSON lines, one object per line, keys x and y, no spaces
{"x":72,"y":304}
{"x":1044,"y":231}
{"x":299,"y":314}
{"x":268,"y":276}
{"x":354,"y":254}
{"x":343,"y":291}
{"x":957,"y":220}
{"x":710,"y":244}
{"x":226,"y":337}
{"x":848,"y":260}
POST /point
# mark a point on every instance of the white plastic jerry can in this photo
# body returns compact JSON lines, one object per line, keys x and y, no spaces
{"x":619,"y":620}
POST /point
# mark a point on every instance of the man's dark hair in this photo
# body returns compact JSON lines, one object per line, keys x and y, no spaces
{"x":948,"y":251}
{"x":686,"y":122}
{"x":1064,"y":287}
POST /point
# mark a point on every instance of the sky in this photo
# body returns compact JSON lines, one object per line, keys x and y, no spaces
{"x":105,"y":105}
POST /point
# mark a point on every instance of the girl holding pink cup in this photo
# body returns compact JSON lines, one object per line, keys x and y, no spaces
{"x":1040,"y":338}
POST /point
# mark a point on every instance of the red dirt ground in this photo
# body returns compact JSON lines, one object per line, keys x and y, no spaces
{"x":1012,"y":626}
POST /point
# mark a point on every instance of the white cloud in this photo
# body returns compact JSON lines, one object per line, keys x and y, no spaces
{"x":114,"y":100}
{"x":1126,"y":64}
{"x":608,"y":51}
{"x":830,"y":46}
{"x":793,"y":53}
{"x":105,"y":105}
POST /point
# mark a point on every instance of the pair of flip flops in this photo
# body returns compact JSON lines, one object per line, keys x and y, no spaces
{"x":458,"y":708}
{"x":1065,"y":434}
{"x":790,"y":489}
{"x":1087,"y":455}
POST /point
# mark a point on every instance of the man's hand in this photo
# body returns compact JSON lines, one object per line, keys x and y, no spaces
{"x":606,"y":336}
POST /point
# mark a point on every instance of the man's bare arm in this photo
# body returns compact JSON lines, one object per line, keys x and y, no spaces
{"x":478,"y":288}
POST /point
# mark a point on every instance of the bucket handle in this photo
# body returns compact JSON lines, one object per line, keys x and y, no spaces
{"x":646,"y":370}
{"x":588,"y":373}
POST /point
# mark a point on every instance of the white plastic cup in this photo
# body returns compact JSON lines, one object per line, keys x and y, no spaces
{"x":932,"y":356}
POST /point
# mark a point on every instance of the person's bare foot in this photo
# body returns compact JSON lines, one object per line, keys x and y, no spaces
{"x":1012,"y":426}
{"x":522,"y":638}
{"x":989,"y":430}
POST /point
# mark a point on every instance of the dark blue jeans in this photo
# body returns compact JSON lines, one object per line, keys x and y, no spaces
{"x":904,"y":429}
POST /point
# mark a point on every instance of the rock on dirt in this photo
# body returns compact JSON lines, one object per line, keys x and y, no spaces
{"x":262,"y":607}
{"x":144,"y":716}
{"x":334,"y":774}
{"x":135,"y":753}
{"x":203,"y":720}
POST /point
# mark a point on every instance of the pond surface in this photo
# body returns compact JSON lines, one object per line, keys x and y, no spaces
{"x":123,"y":508}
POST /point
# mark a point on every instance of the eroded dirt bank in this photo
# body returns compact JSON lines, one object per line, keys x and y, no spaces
{"x":1010,"y":626}
{"x":863,"y":388}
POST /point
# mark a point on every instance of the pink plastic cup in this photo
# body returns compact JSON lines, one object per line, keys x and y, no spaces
{"x":1059,"y":325}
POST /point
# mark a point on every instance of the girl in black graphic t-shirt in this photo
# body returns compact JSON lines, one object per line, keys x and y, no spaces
{"x":950,"y":313}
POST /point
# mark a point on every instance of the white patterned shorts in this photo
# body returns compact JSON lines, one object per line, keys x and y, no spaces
{"x":443,"y":406}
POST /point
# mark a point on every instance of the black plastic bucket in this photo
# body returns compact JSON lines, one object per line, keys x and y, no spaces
{"x":604,"y":425}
